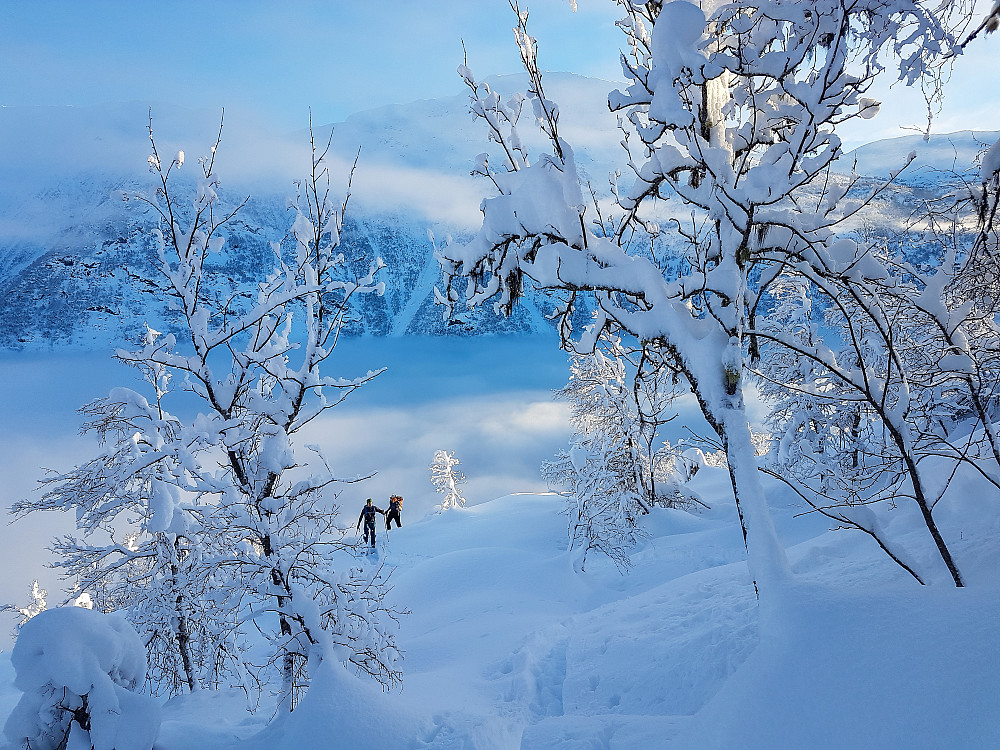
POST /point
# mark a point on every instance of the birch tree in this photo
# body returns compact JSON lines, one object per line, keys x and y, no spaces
{"x":733,"y":112}
{"x":901,"y":393}
{"x":232,"y":515}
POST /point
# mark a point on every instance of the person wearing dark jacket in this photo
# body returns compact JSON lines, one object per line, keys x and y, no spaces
{"x":368,"y":516}
{"x":395,"y":506}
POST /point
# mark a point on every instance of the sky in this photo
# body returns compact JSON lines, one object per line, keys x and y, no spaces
{"x":271,"y":62}
{"x":276,"y":60}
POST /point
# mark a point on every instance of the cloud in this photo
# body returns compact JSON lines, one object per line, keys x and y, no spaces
{"x":443,"y":198}
{"x":536,"y":418}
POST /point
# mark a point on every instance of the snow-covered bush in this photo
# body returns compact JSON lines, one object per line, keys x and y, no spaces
{"x":38,"y":603}
{"x":447,"y":479}
{"x":80,"y":671}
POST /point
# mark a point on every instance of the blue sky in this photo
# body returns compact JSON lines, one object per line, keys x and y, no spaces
{"x":275,"y":60}
{"x":271,"y":61}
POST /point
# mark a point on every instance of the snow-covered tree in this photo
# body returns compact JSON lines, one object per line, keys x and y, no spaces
{"x":234,"y":522}
{"x":828,"y":444}
{"x":733,"y":111}
{"x":603,"y":511}
{"x":447,"y":479}
{"x":80,"y":673}
{"x":901,"y":390}
{"x":619,"y":396}
{"x":38,"y":602}
{"x":143,"y":548}
{"x":617,"y":467}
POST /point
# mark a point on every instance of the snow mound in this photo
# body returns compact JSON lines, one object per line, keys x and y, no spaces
{"x":914,"y":669}
{"x":341,"y":710}
{"x":78,"y":669}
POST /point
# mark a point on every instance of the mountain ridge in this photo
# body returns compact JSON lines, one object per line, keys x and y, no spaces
{"x":76,"y":261}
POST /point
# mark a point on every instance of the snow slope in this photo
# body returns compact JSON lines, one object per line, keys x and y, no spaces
{"x":935,"y":157}
{"x":507,"y":647}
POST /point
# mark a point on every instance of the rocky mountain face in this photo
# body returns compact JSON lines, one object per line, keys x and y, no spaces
{"x":77,"y":262}
{"x":98,"y":286}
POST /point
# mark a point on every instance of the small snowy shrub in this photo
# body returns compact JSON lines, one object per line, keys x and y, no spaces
{"x":602,"y":509}
{"x":37,"y":604}
{"x":689,"y":463}
{"x":446,"y":479}
{"x":78,"y":669}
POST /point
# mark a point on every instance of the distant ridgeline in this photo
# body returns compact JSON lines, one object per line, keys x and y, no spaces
{"x":95,"y":284}
{"x":78,"y":263}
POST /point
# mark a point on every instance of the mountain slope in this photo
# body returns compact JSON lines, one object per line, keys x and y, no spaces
{"x":77,"y":263}
{"x":937,"y":158}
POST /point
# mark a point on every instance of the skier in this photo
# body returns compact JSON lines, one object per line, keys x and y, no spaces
{"x":368,"y":516}
{"x":395,"y":506}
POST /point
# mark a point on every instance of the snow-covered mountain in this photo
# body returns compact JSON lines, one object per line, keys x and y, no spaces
{"x":938,"y":158}
{"x":76,"y":260}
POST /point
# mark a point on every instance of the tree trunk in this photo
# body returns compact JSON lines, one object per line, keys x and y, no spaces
{"x":929,"y":522}
{"x":766,"y":556}
{"x":183,"y":634}
{"x":285,"y":696}
{"x":184,"y":645}
{"x":286,"y":704}
{"x":726,"y":413}
{"x":718,"y":387}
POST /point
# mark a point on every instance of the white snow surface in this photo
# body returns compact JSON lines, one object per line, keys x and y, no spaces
{"x":507,"y":647}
